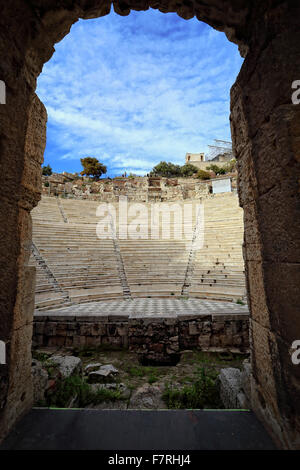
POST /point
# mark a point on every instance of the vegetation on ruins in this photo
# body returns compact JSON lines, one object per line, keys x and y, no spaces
{"x":218,"y":170}
{"x":151,"y":373}
{"x":202,"y":393}
{"x":168,"y":169}
{"x":46,"y":170}
{"x":77,"y":386}
{"x":193,"y":383}
{"x":188,"y":170}
{"x":165,"y":169}
{"x":203,"y":175}
{"x":171,"y":170}
{"x":92,"y":167}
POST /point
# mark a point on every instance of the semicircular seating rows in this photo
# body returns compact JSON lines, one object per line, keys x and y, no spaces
{"x":74,"y":265}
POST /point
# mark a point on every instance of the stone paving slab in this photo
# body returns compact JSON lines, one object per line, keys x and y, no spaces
{"x":146,"y":308}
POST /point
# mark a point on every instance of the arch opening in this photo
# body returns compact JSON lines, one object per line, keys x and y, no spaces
{"x":266,"y":146}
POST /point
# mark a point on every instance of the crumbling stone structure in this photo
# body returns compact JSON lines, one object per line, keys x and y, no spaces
{"x":139,"y":188}
{"x":265,"y":132}
{"x":156,"y":339}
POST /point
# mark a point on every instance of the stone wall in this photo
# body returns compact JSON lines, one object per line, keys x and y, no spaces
{"x":142,"y":189}
{"x":155,"y":339}
{"x":266,"y":133}
{"x":266,"y":138}
{"x":17,"y":278}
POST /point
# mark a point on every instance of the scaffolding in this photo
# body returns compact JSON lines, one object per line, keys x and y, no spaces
{"x":220,"y":147}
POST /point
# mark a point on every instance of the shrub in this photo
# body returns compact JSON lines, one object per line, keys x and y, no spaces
{"x":166,"y":169}
{"x":229,"y":167}
{"x":47,"y":170}
{"x":76,"y":386}
{"x":171,"y":170}
{"x":203,"y":393}
{"x":188,"y":170}
{"x":47,"y":184}
{"x":216,"y":169}
{"x":203,"y":175}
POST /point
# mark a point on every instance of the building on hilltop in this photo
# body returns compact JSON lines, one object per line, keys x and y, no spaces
{"x":194,"y":158}
{"x":220,"y":152}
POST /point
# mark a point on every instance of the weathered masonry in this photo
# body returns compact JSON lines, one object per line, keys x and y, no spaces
{"x":157,"y":329}
{"x":266,"y":140}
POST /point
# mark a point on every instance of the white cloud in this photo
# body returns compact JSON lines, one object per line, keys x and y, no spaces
{"x":137,"y":90}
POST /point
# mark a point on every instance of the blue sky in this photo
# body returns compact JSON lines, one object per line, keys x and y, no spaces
{"x":135,"y":90}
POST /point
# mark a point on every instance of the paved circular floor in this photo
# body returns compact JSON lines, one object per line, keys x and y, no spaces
{"x":149,"y":308}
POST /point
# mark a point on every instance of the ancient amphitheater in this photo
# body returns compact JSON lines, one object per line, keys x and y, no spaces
{"x":175,"y":265}
{"x":75,"y":266}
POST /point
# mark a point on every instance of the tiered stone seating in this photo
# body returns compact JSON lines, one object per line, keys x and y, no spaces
{"x":219,"y":267}
{"x":154,"y":268}
{"x":47,"y":211}
{"x":80,"y":211}
{"x":157,"y":267}
{"x":86,"y":268}
{"x":46,"y":295}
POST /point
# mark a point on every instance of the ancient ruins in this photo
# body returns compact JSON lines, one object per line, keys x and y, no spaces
{"x":265,"y":135}
{"x":79,"y":261}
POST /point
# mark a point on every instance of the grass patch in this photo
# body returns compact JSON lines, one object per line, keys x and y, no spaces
{"x":152,"y":379}
{"x":136,"y":371}
{"x":215,"y":359}
{"x":76,"y":386}
{"x":203,"y":393}
{"x":39,"y":356}
{"x":152,"y":373}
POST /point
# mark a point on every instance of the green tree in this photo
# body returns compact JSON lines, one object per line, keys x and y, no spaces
{"x":188,"y":170}
{"x":166,"y":169}
{"x":92,"y":167}
{"x":203,"y":175}
{"x":47,"y":170}
{"x":218,"y":170}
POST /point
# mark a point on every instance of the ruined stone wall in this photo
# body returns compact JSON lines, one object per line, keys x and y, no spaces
{"x":154,"y":338}
{"x":140,"y":189}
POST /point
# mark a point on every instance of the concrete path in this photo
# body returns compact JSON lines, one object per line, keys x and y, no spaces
{"x":138,"y":430}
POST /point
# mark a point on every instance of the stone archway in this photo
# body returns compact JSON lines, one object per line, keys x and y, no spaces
{"x":266,"y":138}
